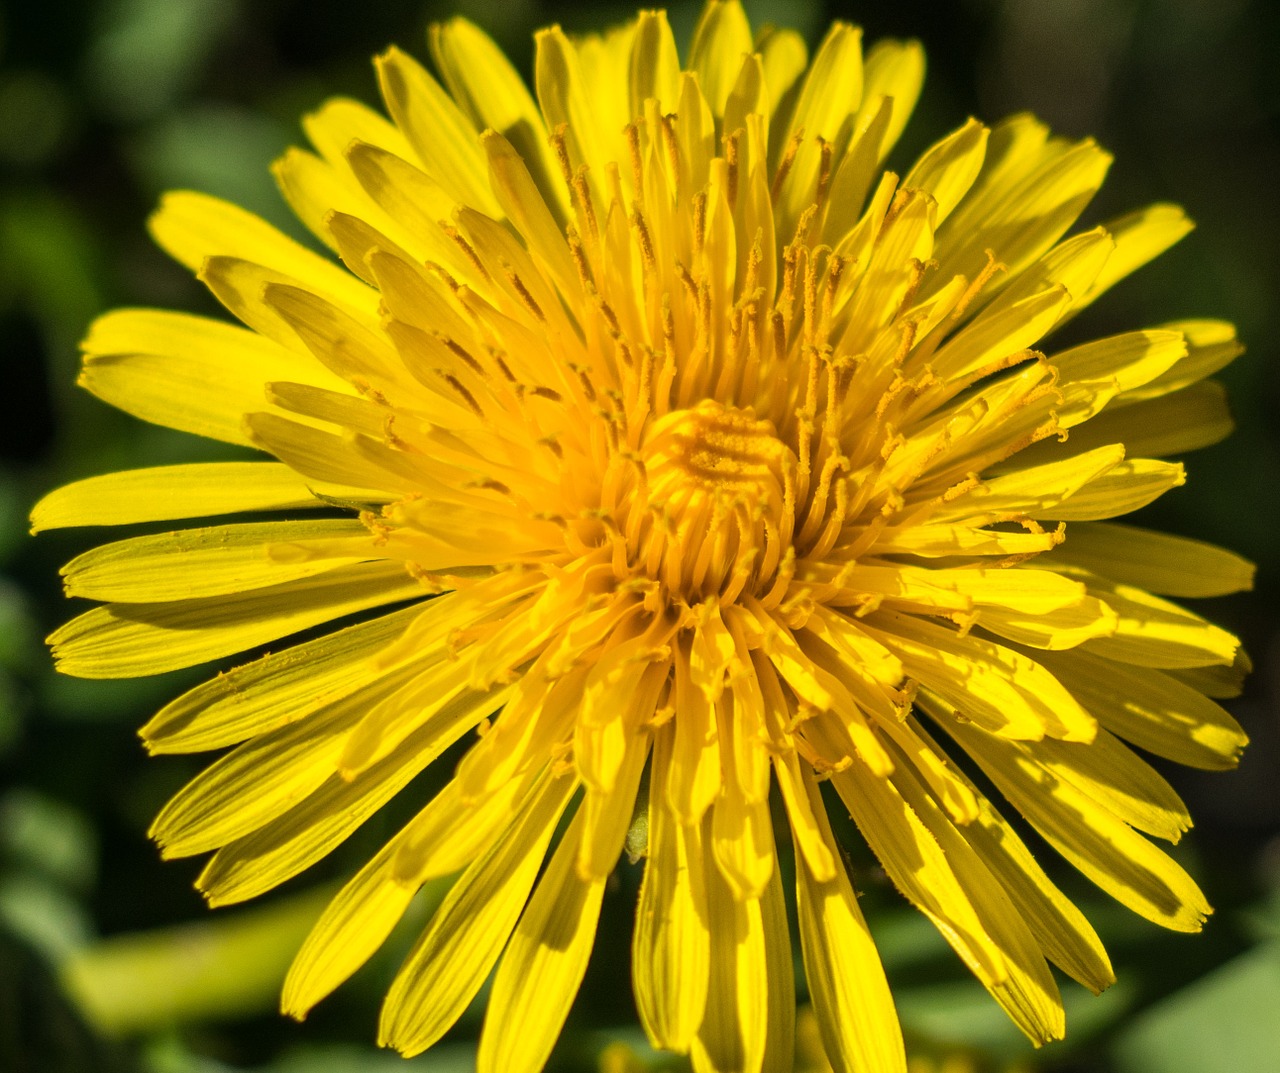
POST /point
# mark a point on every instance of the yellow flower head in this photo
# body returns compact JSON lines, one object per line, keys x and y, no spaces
{"x":660,"y":437}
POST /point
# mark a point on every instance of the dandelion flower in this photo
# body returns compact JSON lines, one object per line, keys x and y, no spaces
{"x":658,"y":436}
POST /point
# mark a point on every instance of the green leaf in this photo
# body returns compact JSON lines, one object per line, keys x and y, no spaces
{"x":225,"y":966}
{"x":1226,"y":1022}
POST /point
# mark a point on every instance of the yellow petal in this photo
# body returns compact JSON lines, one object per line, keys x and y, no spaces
{"x":905,"y":588}
{"x":1153,"y":710}
{"x":1020,"y":206}
{"x":445,"y":140}
{"x":607,"y":814}
{"x":618,"y":700}
{"x":538,"y":978}
{"x":326,"y":456}
{"x":720,"y":40}
{"x":239,"y":285}
{"x":192,"y":563}
{"x":490,"y":90}
{"x":907,"y":237}
{"x":448,"y":965}
{"x":948,"y":787}
{"x":1140,"y":236}
{"x":352,"y":927}
{"x":1001,"y":689}
{"x":742,"y":842}
{"x":867,"y":655}
{"x":1220,"y":681}
{"x":1152,"y":632}
{"x":452,"y":831}
{"x":277,"y":689}
{"x":919,"y":868}
{"x":858,"y":167}
{"x":163,"y":493}
{"x":310,"y":830}
{"x":784,"y":57}
{"x":1034,"y":490}
{"x":996,"y":334}
{"x":1109,"y":773}
{"x":851,"y":996}
{"x":749,"y":96}
{"x":194,"y":227}
{"x":1172,"y":424}
{"x":536,"y":720}
{"x":1060,"y":929}
{"x":670,"y":954}
{"x":1092,"y":375}
{"x":1133,"y":358}
{"x":1028,"y":993}
{"x":750,"y":990}
{"x":828,"y":98}
{"x":1211,"y":345}
{"x":1158,"y":562}
{"x":417,"y":202}
{"x":1064,"y":627}
{"x":565,"y":97}
{"x":893,"y":70}
{"x":1094,"y":840}
{"x":823,"y":691}
{"x":419,"y":299}
{"x":523,"y":202}
{"x":1074,"y":263}
{"x":779,"y":976}
{"x":1033,"y":592}
{"x":124,"y":640}
{"x":1123,"y":488}
{"x":655,"y":65}
{"x":186,"y":372}
{"x":948,"y":169}
{"x":436,"y":692}
{"x":695,"y":772}
{"x":347,"y":935}
{"x":941,"y":541}
{"x":314,"y":188}
{"x":349,"y":349}
{"x":340,"y":121}
{"x":258,"y":780}
{"x":807,"y":816}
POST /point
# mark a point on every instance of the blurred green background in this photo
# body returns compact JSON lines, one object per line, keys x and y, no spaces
{"x":108,"y":959}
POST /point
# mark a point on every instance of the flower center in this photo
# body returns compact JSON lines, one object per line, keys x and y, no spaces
{"x":717,"y":504}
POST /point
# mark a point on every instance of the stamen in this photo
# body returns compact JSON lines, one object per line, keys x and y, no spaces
{"x":778,"y":323}
{"x":523,"y":291}
{"x":610,"y":317}
{"x":784,"y":165}
{"x":458,"y":386}
{"x":981,"y":280}
{"x":731,"y":148}
{"x":584,"y":378}
{"x":580,"y":261}
{"x":824,"y":173}
{"x":462,"y":352}
{"x":673,"y":149}
{"x":499,"y":359}
{"x":582,"y":192}
{"x":646,"y":243}
{"x":560,"y":148}
{"x":699,"y":222}
{"x":632,"y":133}
{"x":469,"y":251}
